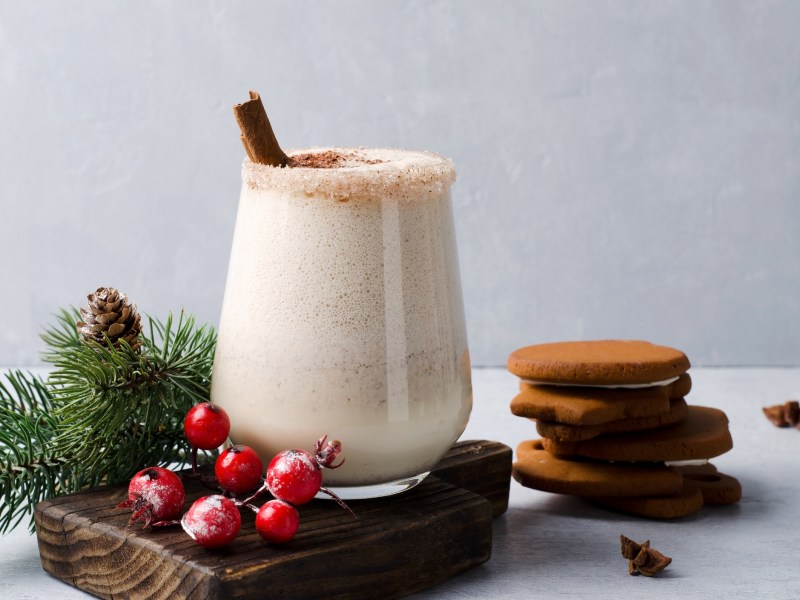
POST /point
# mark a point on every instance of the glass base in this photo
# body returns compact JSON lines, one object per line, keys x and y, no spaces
{"x":378,"y":490}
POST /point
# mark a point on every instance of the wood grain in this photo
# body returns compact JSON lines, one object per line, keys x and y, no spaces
{"x":480,"y":466}
{"x":398,"y":545}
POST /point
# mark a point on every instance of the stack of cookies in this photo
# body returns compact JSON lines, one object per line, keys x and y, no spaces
{"x":616,"y":429}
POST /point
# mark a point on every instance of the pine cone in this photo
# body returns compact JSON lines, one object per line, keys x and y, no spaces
{"x":110,"y":313}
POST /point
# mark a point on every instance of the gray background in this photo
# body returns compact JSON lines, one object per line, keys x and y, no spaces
{"x":626,"y":169}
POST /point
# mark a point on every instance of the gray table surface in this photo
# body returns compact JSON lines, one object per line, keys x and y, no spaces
{"x":549,"y":546}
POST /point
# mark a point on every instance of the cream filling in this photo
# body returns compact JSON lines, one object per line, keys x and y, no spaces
{"x":687,"y":463}
{"x":629,"y":386}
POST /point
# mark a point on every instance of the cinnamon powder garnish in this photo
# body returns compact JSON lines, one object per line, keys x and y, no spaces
{"x":329,"y":159}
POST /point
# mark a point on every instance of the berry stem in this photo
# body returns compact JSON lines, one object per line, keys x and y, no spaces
{"x":338,"y":501}
{"x":165,"y":523}
{"x":194,"y":460}
{"x":249,"y":499}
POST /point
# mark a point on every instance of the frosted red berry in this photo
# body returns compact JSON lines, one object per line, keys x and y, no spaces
{"x":238,"y":469}
{"x":296,"y":475}
{"x":212,"y":521}
{"x":293,"y":476}
{"x":206,"y":426}
{"x":277,"y":522}
{"x":156,"y":496}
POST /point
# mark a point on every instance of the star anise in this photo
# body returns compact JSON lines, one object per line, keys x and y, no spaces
{"x":642,"y":558}
{"x":784,"y":415}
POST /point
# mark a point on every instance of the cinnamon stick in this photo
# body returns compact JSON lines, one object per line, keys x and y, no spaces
{"x":257,"y":136}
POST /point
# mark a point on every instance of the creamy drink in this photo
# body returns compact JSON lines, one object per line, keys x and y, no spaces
{"x":343,"y":314}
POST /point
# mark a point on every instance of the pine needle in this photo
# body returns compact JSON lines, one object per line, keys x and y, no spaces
{"x":103,"y":413}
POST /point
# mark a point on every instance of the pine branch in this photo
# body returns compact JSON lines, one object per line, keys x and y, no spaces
{"x":29,"y":471}
{"x":63,"y":335}
{"x":104,"y":413}
{"x":130,"y":405}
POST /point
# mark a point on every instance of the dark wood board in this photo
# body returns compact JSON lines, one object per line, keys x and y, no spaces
{"x":399,"y":545}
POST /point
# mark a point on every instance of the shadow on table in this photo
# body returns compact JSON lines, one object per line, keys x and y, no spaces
{"x":557,"y":528}
{"x":571,"y":507}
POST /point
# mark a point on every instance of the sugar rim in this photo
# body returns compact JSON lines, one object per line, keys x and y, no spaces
{"x":402,"y":173}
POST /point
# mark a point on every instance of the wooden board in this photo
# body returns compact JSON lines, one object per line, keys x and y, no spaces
{"x":399,"y":545}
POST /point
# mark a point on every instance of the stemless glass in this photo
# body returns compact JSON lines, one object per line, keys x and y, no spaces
{"x":343,"y":315}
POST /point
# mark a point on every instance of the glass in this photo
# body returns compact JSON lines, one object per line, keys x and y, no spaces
{"x":343,"y":315}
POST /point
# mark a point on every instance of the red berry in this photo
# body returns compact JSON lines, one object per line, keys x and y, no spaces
{"x":206,"y":426}
{"x":294,"y":476}
{"x":156,"y":495}
{"x":277,"y":522}
{"x":238,"y":469}
{"x":212,"y":521}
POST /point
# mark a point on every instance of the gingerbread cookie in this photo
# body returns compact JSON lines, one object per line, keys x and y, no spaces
{"x":595,"y":405}
{"x":702,"y":434}
{"x":606,"y":362}
{"x":718,"y":489}
{"x":536,"y":468}
{"x":681,"y":387}
{"x":702,"y":485}
{"x":686,"y":502}
{"x":564,"y":432}
{"x":694,"y":467}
